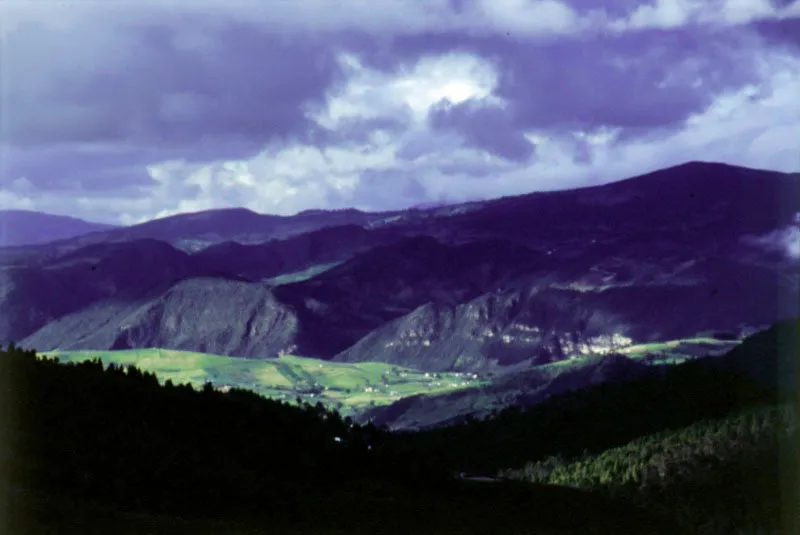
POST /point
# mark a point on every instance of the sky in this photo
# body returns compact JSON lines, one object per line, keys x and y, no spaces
{"x":121,"y":111}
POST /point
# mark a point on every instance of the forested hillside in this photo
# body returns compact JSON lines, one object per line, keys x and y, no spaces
{"x":106,"y":445}
{"x":734,"y":475}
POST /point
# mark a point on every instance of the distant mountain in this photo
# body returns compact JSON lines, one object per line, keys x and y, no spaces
{"x":474,"y":287}
{"x":276,"y":257}
{"x":25,"y":227}
{"x":327,"y":313}
{"x":695,"y":205}
{"x":195,"y":231}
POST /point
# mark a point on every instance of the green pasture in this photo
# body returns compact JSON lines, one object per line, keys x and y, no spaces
{"x":345,"y":386}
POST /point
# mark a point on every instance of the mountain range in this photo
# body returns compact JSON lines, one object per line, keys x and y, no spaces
{"x":25,"y":227}
{"x":489,"y":286}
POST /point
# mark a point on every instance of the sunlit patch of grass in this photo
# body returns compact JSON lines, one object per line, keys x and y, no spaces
{"x":346,"y":386}
{"x":681,"y":349}
{"x":299,"y":276}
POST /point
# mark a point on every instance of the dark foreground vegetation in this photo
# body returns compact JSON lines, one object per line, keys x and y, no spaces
{"x":92,"y":449}
{"x":734,"y":475}
{"x":699,"y":448}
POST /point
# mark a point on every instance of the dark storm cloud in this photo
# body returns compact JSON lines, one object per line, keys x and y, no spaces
{"x":96,"y":106}
{"x":170,"y":84}
{"x":94,"y":93}
{"x":636,"y":81}
{"x":784,"y":32}
{"x":102,"y":167}
{"x":65,"y":166}
{"x":483,"y":125}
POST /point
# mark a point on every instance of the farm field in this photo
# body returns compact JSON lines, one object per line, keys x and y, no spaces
{"x":347,"y":387}
{"x":675,"y":351}
{"x":299,"y":276}
{"x":350,"y":387}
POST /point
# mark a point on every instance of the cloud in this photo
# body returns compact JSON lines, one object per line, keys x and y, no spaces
{"x":633,"y":81}
{"x":676,"y":13}
{"x":784,"y":240}
{"x":160,"y":84}
{"x":388,"y":188}
{"x":124,"y":111}
{"x":781,"y":33}
{"x":483,"y":124}
{"x":88,"y":167}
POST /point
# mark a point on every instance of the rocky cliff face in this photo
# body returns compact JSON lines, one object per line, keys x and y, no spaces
{"x":235,"y":318}
{"x":543,"y":321}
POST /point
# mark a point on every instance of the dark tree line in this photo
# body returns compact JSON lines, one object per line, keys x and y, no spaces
{"x":591,"y":420}
{"x":116,"y":435}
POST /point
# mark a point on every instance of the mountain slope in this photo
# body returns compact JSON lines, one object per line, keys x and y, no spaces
{"x":345,"y":303}
{"x":697,"y":203}
{"x":276,"y":257}
{"x":329,"y":312}
{"x":769,"y":357}
{"x":195,"y":231}
{"x":236,"y":318}
{"x":535,"y":323}
{"x":32,"y":296}
{"x":521,"y":388}
{"x":25,"y":227}
{"x":528,"y":279}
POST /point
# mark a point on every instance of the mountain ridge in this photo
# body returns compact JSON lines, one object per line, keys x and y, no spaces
{"x":535,"y":279}
{"x":20,"y":228}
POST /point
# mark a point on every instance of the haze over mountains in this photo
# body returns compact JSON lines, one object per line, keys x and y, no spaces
{"x":519,"y":281}
{"x":24,"y":227}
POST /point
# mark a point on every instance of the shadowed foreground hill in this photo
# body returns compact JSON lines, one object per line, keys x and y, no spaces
{"x":698,"y":473}
{"x":90,"y":438}
{"x":769,"y":357}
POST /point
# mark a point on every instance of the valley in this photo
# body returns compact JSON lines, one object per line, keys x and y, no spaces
{"x":348,"y":388}
{"x":367,"y":390}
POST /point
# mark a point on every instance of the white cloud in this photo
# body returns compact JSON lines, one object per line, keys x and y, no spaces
{"x":676,"y":13}
{"x":456,"y":77}
{"x":785,"y":240}
{"x":370,"y":94}
{"x":9,"y":200}
{"x":528,"y":16}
